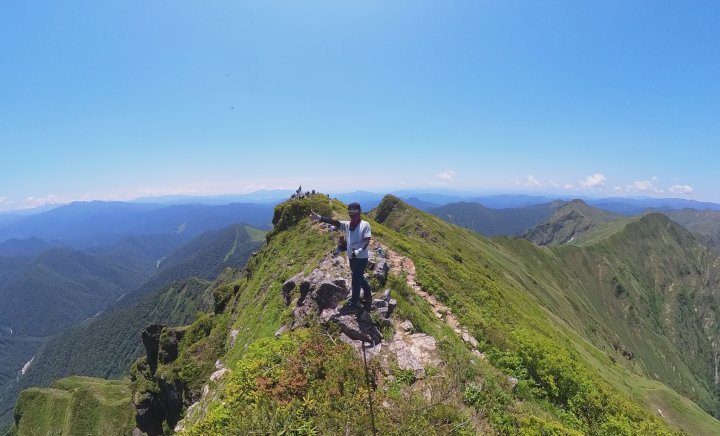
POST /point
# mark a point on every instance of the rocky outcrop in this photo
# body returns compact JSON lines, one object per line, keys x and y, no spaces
{"x":380,"y":270}
{"x":169,"y":345}
{"x":416,"y":352}
{"x":166,"y":400}
{"x":151,"y":341}
{"x":357,"y":326}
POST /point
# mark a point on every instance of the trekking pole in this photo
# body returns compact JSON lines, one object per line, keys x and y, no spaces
{"x":367,"y":380}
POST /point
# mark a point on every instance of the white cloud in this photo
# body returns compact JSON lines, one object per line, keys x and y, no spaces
{"x":569,"y":186}
{"x":31,"y":202}
{"x":645,"y":186}
{"x":446,"y":175}
{"x":682,"y":189}
{"x":531,"y":182}
{"x":594,"y":181}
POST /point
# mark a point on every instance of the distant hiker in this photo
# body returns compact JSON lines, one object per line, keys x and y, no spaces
{"x":357,"y":237}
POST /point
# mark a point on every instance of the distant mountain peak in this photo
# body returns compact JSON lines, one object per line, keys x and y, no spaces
{"x":569,"y":221}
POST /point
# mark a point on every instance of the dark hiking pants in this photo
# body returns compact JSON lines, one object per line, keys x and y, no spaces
{"x":357,"y":266}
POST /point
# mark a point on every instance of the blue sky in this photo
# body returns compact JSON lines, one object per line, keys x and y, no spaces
{"x":114,"y":100}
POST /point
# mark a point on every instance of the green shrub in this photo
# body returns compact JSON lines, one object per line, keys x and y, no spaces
{"x":306,"y":383}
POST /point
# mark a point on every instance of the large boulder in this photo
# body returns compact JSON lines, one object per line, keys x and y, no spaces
{"x":289,"y":286}
{"x":416,"y":352}
{"x":380,"y":271}
{"x":359,"y":327}
{"x":328,"y":295}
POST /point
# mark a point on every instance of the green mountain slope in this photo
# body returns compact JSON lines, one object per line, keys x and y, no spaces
{"x":568,"y":222}
{"x":496,"y":222}
{"x":42,"y":295}
{"x":540,"y":315}
{"x":107,"y":344}
{"x":76,"y":406}
{"x":704,"y":224}
{"x":657,"y":288}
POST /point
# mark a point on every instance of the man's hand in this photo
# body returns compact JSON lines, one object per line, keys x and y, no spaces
{"x":314,"y":217}
{"x":355,"y":252}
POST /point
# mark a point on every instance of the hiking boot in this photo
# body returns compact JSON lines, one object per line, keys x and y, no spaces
{"x":367,"y":305}
{"x":348,"y":308}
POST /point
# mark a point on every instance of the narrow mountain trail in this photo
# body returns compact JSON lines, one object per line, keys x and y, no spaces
{"x":404,"y":265}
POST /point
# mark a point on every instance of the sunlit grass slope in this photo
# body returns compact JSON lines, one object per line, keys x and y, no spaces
{"x":76,"y":406}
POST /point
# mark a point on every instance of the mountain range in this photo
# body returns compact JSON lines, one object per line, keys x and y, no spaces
{"x":610,"y":334}
{"x":597,"y":323}
{"x":48,"y":286}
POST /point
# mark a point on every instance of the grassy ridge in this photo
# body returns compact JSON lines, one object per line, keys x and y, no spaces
{"x":76,"y":406}
{"x":519,"y":299}
{"x":566,"y":383}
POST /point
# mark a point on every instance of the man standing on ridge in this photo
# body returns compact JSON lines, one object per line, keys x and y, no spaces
{"x":357,"y":235}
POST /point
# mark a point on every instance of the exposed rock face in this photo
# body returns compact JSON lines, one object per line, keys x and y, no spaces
{"x":325,"y":288}
{"x":151,"y":341}
{"x":154,"y":408}
{"x":380,"y":271}
{"x":416,"y":351}
{"x":359,"y":327}
{"x":318,"y":291}
{"x":148,"y":415}
{"x":288,"y":287}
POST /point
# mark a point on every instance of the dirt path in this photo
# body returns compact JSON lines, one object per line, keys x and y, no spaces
{"x":401,"y":264}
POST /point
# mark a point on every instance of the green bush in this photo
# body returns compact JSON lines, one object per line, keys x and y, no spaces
{"x":305,"y":383}
{"x":293,"y":211}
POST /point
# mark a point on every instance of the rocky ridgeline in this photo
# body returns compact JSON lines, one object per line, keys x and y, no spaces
{"x":323,"y":290}
{"x":316,"y":298}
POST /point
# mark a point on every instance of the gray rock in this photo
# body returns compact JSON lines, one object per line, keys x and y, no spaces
{"x":282,"y":330}
{"x":417,"y":352}
{"x":358,"y":327}
{"x":513,"y":381}
{"x":327,"y":314}
{"x":233,"y":337}
{"x":217,"y":375}
{"x":328,"y":295}
{"x":341,"y":282}
{"x":379,"y":303}
{"x":470,"y":339}
{"x":371,"y":350}
{"x":392,"y":304}
{"x":386,"y":295}
{"x":384,"y":312}
{"x":407,"y":325}
{"x":288,"y":287}
{"x":381,"y":271}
